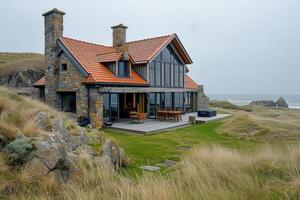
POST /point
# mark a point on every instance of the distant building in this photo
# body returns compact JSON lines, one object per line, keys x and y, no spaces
{"x":105,"y":83}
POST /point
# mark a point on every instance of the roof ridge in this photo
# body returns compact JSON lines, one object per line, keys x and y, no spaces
{"x":152,"y":38}
{"x":85,"y":42}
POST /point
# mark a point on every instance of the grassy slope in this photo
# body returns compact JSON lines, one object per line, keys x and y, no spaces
{"x":14,"y":62}
{"x":152,"y":149}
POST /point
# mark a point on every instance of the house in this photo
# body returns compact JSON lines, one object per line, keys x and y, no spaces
{"x":105,"y":83}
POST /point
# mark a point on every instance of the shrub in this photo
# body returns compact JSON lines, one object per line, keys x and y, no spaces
{"x":19,"y":150}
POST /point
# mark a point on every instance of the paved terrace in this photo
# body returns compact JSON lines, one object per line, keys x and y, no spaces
{"x":152,"y":125}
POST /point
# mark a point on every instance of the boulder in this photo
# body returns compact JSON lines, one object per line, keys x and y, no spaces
{"x":113,"y":155}
{"x":264,"y":103}
{"x":281,"y":103}
{"x":151,"y":168}
{"x":36,"y":168}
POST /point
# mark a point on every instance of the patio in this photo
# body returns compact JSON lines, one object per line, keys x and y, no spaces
{"x":152,"y":125}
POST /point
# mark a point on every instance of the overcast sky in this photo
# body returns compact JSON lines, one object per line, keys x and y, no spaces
{"x":238,"y":46}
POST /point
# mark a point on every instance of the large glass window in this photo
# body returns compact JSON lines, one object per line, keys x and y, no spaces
{"x":123,"y":69}
{"x":167,"y":70}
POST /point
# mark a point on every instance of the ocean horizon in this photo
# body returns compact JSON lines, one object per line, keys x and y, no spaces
{"x":242,"y":100}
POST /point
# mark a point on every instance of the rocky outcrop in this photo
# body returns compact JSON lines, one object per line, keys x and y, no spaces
{"x":281,"y":103}
{"x":264,"y":103}
{"x":55,"y":154}
{"x":23,"y":78}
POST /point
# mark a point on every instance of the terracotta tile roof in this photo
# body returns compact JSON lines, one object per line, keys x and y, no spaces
{"x":190,"y":83}
{"x":145,"y":50}
{"x":86,"y":54}
{"x":93,"y":56}
{"x":40,"y":82}
{"x":109,"y":57}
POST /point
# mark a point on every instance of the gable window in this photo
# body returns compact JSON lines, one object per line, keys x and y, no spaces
{"x":166,"y":70}
{"x":123,"y":69}
{"x":64,"y":67}
{"x":68,"y":102}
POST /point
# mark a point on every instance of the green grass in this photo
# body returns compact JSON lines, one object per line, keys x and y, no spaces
{"x":152,"y":149}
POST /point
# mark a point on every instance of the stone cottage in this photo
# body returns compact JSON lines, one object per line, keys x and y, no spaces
{"x":105,"y":83}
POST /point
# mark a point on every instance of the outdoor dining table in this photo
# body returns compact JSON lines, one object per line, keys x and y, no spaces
{"x":168,"y":115}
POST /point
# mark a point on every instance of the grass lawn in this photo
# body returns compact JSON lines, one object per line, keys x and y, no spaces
{"x":152,"y":149}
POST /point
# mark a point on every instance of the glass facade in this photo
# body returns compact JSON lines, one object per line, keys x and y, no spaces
{"x":166,"y":70}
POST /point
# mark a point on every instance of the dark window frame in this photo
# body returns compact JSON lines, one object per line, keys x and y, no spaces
{"x":72,"y":109}
{"x":64,"y":67}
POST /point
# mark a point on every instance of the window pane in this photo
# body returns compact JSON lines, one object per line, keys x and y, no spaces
{"x":167,"y":75}
{"x":157,"y":73}
{"x":114,"y":107}
{"x":166,"y":55}
{"x":181,"y":75}
{"x":152,"y":74}
{"x":106,"y":107}
{"x":122,"y":69}
{"x":152,"y":112}
{"x":168,"y":101}
{"x":176,"y":75}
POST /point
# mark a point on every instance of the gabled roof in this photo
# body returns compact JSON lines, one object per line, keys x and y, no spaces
{"x":86,"y":55}
{"x":189,"y":83}
{"x":89,"y":58}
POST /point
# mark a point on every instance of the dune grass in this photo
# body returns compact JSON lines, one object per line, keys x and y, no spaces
{"x":207,"y":172}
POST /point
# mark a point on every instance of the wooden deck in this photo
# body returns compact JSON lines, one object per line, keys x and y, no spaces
{"x":153,"y":126}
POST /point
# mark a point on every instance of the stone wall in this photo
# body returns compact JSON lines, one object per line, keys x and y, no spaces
{"x":71,"y":81}
{"x":202,"y":99}
{"x":96,"y":108}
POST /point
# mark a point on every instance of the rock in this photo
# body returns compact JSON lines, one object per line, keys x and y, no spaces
{"x":37,"y":168}
{"x":151,"y":168}
{"x":166,"y":163}
{"x":113,"y":155}
{"x":23,"y":78}
{"x":43,"y":121}
{"x":281,"y":103}
{"x":264,"y":103}
{"x":52,"y":155}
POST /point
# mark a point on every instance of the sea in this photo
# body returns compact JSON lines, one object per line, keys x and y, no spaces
{"x":241,"y":100}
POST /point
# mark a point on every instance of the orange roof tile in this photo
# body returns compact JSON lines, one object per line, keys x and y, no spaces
{"x":109,"y":57}
{"x":86,"y":54}
{"x":144,"y":50}
{"x":40,"y":82}
{"x":190,"y":83}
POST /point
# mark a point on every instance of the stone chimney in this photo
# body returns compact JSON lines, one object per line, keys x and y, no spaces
{"x":53,"y":22}
{"x":119,"y":35}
